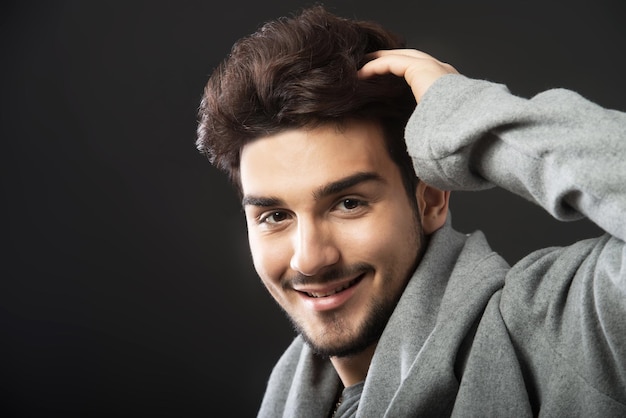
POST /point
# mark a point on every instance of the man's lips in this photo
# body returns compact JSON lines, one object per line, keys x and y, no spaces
{"x":316,"y":291}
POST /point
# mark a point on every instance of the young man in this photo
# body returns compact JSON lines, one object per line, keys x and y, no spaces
{"x":398,"y":314}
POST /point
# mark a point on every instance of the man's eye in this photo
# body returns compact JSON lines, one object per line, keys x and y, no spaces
{"x":273,"y":217}
{"x":350,"y":204}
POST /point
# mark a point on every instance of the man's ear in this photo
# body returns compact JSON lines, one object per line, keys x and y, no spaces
{"x":433,"y":206}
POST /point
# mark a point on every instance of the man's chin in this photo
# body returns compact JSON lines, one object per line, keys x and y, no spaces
{"x":350,"y":346}
{"x":336,"y":341}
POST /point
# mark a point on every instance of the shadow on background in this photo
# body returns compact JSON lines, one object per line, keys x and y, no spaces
{"x":127,"y":287}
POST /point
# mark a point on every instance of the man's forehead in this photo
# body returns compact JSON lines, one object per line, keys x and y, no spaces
{"x":311,"y":157}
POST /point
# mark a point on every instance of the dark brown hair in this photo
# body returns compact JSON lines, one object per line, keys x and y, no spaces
{"x":301,"y":72}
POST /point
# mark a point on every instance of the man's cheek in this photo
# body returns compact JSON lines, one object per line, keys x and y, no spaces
{"x":269,"y":262}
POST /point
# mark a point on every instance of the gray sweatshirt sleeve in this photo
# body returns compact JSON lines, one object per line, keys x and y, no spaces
{"x":557,"y":149}
{"x":565,"y":309}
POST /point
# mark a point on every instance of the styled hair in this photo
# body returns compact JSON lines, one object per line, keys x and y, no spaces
{"x":301,"y":72}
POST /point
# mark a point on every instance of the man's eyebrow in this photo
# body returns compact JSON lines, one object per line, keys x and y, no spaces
{"x":264,"y":202}
{"x":324,"y":191}
{"x":345,"y":183}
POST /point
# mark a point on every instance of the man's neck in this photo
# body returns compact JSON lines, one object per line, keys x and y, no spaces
{"x":353,"y":369}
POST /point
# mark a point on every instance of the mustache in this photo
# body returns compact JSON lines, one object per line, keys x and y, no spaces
{"x":328,"y":275}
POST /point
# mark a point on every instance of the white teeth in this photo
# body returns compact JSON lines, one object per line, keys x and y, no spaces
{"x":337,"y":290}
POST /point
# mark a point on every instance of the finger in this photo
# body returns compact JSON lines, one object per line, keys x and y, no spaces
{"x":406,"y":52}
{"x":387,"y":63}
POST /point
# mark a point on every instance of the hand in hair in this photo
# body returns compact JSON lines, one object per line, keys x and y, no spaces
{"x":419,"y":69}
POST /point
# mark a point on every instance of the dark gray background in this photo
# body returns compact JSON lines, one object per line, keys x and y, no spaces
{"x":126,"y":283}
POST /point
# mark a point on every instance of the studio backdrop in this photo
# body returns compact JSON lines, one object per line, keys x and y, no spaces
{"x":126,"y":284}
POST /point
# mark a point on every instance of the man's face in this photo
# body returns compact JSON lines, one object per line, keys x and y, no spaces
{"x":333,"y":234}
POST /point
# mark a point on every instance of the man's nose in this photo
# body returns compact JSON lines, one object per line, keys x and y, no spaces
{"x":313,"y":248}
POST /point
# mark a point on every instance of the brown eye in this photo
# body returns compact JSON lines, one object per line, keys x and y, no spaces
{"x":351,"y":204}
{"x":274,"y":217}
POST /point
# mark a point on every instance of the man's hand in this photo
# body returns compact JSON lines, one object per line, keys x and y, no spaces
{"x":419,"y":69}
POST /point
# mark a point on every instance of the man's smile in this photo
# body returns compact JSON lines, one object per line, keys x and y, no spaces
{"x":331,"y":296}
{"x":328,"y":290}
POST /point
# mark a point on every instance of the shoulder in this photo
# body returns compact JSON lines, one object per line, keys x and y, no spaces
{"x":565,"y":310}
